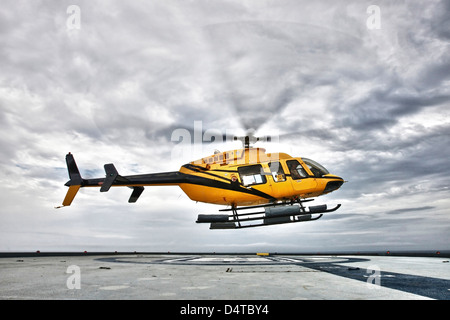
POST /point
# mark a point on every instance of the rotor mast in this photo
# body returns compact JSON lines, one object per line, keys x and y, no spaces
{"x":250,"y":139}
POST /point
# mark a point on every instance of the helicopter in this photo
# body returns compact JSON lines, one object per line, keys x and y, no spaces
{"x":273,"y":186}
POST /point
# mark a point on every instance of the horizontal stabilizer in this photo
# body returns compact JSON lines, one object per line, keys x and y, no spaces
{"x":111,"y":175}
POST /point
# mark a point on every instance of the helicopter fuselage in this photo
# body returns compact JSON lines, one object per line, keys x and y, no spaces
{"x":251,"y":176}
{"x":241,"y":177}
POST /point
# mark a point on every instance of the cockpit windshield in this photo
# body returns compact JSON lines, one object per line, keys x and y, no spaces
{"x":317,"y":169}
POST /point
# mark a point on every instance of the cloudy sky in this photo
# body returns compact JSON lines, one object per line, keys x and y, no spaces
{"x":363,"y":90}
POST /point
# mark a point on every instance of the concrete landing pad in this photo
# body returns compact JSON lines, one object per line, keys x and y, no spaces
{"x":224,"y":277}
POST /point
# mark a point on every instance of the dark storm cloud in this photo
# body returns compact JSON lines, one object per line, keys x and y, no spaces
{"x":267,"y":65}
{"x":406,"y":210}
{"x":439,"y":22}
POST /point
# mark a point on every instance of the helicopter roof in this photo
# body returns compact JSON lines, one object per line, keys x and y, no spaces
{"x":239,"y":157}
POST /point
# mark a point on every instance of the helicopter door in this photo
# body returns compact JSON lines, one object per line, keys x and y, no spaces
{"x":299,"y":178}
{"x":278,"y":177}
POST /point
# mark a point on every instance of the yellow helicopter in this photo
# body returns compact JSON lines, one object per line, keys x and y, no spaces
{"x":273,"y":186}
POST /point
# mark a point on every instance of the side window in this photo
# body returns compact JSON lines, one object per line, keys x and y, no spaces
{"x":277,"y":172}
{"x":296,"y":169}
{"x":251,"y":175}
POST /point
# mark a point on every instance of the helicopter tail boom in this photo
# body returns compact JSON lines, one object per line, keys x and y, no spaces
{"x":113,"y":178}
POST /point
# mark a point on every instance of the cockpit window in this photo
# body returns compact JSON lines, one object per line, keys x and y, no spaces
{"x":296,"y":169}
{"x":317,"y":169}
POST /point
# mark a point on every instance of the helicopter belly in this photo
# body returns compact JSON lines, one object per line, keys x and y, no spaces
{"x":215,"y":195}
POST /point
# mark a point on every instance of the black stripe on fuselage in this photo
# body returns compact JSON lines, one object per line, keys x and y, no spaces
{"x":177,"y":177}
{"x":229,"y":185}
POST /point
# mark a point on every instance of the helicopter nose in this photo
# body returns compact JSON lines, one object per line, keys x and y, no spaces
{"x":333,"y":185}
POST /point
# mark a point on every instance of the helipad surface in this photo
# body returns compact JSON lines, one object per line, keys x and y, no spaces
{"x":224,"y":277}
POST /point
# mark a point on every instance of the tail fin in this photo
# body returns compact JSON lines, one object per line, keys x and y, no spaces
{"x":71,"y":193}
{"x":75,"y":182}
{"x":112,"y":179}
{"x":74,"y":173}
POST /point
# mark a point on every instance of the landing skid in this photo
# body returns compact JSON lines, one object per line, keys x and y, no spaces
{"x":275,"y":213}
